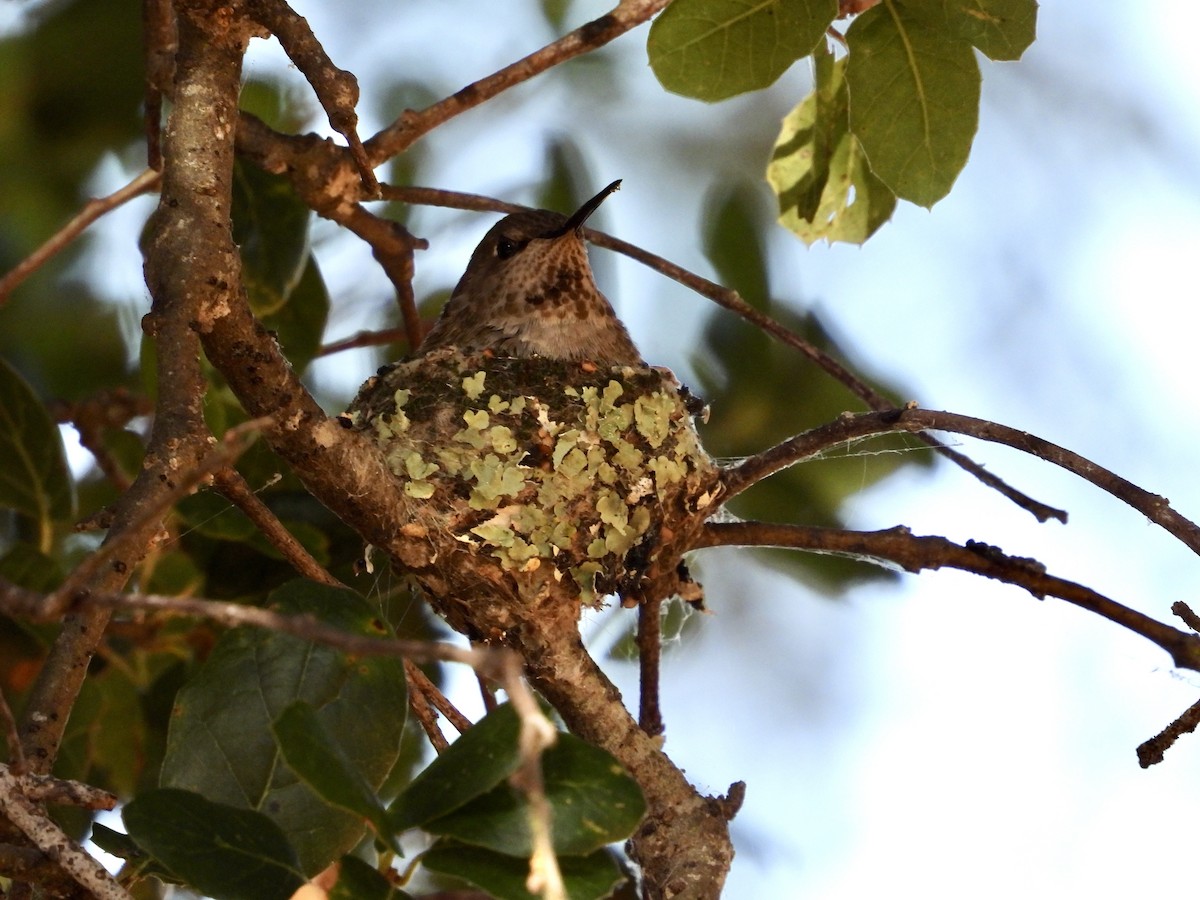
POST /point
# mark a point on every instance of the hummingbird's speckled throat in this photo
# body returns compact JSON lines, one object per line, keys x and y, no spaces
{"x":528,"y":291}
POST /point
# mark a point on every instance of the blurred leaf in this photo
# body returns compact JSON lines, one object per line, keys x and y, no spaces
{"x":211,"y":514}
{"x":282,"y":109}
{"x":27,"y":566}
{"x":103,"y":741}
{"x":474,"y":764}
{"x":914,"y":100}
{"x":66,"y":341}
{"x":1002,"y":29}
{"x":594,"y":802}
{"x":589,"y":877}
{"x":220,"y":742}
{"x":79,"y":88}
{"x":312,"y":753}
{"x":714,"y":49}
{"x":270,"y":227}
{"x":299,"y":324}
{"x":818,"y":170}
{"x":762,"y":393}
{"x":173,"y":572}
{"x":359,"y":881}
{"x":34,"y":478}
{"x":555,"y":12}
{"x":225,"y":852}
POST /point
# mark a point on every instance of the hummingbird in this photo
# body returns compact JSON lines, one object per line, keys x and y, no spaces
{"x":528,"y":291}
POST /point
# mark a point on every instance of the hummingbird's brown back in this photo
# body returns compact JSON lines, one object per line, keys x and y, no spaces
{"x":529,"y":291}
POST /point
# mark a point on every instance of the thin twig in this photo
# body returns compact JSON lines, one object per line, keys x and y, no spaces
{"x":1186,"y":613}
{"x":731,"y":300}
{"x":440,"y":702}
{"x":230,"y":483}
{"x":233,"y":444}
{"x":392,"y":245}
{"x":92,"y":210}
{"x":649,"y":642}
{"x":16,"y":752}
{"x":336,"y":89}
{"x":159,"y":43}
{"x":402,"y":133}
{"x":418,"y":702}
{"x":1151,"y":752}
{"x":914,"y":553}
{"x":366,"y":339}
{"x":63,"y":792}
{"x":95,"y":415}
{"x":849,"y":427}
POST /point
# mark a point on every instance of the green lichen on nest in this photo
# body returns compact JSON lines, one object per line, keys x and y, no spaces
{"x":538,"y":463}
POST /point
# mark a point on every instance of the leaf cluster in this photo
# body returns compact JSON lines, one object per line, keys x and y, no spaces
{"x":894,"y":117}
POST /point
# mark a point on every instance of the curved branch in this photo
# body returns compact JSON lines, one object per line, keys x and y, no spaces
{"x":914,"y":553}
{"x":92,"y":210}
{"x":850,"y":427}
{"x":402,"y":133}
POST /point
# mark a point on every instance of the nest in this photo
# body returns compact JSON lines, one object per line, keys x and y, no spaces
{"x":537,"y":486}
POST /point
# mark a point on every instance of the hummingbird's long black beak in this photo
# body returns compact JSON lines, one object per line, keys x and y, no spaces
{"x":575,"y":223}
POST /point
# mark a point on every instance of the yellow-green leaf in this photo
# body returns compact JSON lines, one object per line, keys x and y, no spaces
{"x":819,"y":171}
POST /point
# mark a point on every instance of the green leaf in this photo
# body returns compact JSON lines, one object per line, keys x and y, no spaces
{"x":220,"y":742}
{"x":752,"y":381}
{"x":594,"y":802}
{"x":1002,"y":29}
{"x":29,"y":567}
{"x":124,"y":847}
{"x":818,"y":169}
{"x":914,"y":100}
{"x":590,"y":877}
{"x":270,"y":226}
{"x":105,"y":738}
{"x":474,"y":764}
{"x":359,"y":881}
{"x":714,"y":49}
{"x":299,"y":324}
{"x":315,"y":756}
{"x":34,"y":479}
{"x":224,"y":852}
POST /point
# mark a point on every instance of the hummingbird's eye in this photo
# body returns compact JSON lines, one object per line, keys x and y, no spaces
{"x":506,"y":247}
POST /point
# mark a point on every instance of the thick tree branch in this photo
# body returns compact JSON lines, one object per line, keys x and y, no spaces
{"x":201,"y":159}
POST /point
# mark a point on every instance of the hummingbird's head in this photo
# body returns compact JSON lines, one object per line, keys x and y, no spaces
{"x":529,"y":290}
